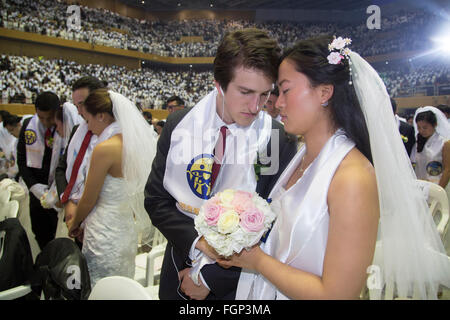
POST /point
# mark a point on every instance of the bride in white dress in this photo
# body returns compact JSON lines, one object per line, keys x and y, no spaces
{"x":348,"y":192}
{"x":110,"y":211}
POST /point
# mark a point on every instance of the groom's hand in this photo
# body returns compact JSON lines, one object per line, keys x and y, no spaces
{"x":189,"y":288}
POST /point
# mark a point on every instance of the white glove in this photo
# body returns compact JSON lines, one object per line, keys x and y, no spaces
{"x":38,"y":190}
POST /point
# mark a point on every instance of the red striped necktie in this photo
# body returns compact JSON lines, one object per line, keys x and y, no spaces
{"x":219,"y":152}
{"x":76,"y":166}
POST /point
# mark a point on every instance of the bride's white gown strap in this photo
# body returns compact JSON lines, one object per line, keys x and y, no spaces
{"x":300,"y":232}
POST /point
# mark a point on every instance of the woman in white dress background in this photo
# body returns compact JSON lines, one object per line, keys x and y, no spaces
{"x":431,"y":153}
{"x":110,"y":211}
{"x":350,"y":181}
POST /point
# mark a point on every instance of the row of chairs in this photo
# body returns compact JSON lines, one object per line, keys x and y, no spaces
{"x":438,"y":204}
{"x":145,"y":285}
{"x":148,"y":265}
{"x":8,"y":208}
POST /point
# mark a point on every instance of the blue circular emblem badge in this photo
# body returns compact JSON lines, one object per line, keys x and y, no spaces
{"x":434,"y":168}
{"x":198,"y":174}
{"x":30,"y":136}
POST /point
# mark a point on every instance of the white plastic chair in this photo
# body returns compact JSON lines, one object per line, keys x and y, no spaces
{"x":15,"y":293}
{"x":2,"y":242}
{"x":438,"y":203}
{"x":119,"y":288}
{"x":9,"y":210}
{"x":154,"y":264}
{"x":148,"y":266}
{"x":144,"y":273}
{"x":385,"y":289}
{"x":158,"y":238}
{"x":5,"y":195}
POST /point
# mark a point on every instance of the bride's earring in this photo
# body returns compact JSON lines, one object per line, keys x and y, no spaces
{"x":325,"y":104}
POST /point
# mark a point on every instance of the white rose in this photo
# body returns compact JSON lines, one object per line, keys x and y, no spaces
{"x":228,"y":222}
{"x":227,"y":196}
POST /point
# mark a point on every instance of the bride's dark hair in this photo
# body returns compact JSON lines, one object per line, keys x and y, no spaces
{"x":310,"y":58}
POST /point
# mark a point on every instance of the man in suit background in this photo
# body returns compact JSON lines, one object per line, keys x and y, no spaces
{"x":175,"y":103}
{"x":34,"y":154}
{"x":245,"y":69}
{"x":406,"y":130}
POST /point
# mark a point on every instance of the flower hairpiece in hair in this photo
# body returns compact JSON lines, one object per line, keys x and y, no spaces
{"x":338,"y":51}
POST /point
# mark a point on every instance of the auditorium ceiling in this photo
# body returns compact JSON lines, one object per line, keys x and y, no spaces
{"x":252,"y":4}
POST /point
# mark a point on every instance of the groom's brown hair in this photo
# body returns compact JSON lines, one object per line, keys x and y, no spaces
{"x":251,"y":48}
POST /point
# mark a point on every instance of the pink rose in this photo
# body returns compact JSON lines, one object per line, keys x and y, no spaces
{"x":212,"y":213}
{"x":252,"y":220}
{"x":334,"y":58}
{"x":242,"y":201}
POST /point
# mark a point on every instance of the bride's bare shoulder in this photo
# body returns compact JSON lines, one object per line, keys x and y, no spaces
{"x":355,"y":176}
{"x":111,"y":146}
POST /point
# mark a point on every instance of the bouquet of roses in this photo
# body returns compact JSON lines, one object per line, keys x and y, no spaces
{"x":233,"y":220}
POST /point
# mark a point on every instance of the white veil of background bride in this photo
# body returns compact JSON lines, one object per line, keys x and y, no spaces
{"x":413,"y":257}
{"x":442,"y":127}
{"x":139,"y":149}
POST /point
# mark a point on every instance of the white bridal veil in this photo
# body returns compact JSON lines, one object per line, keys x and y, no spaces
{"x":442,"y":127}
{"x":139,"y":149}
{"x":413,"y":259}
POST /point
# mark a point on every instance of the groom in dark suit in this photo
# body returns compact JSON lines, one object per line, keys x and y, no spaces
{"x":245,"y":68}
{"x":406,"y":130}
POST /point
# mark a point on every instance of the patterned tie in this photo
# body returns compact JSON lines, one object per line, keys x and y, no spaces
{"x":76,"y":167}
{"x":219,"y":152}
{"x":48,"y":138}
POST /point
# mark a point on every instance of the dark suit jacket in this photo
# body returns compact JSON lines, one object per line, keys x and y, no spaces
{"x":32,"y":176}
{"x":179,"y":229}
{"x":60,"y":173}
{"x":407,"y":131}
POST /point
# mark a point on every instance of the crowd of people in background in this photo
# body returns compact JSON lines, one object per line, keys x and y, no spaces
{"x":103,"y":27}
{"x":22,"y":78}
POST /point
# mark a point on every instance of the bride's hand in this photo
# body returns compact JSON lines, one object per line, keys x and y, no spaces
{"x":70,"y":208}
{"x":247,"y":259}
{"x":75,"y":232}
{"x":203,"y":246}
